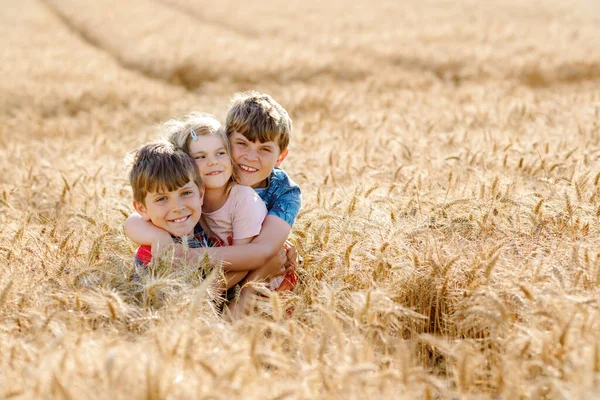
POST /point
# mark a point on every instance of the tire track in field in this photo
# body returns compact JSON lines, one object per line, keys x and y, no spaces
{"x":175,"y":48}
{"x":243,"y":32}
{"x":92,"y":41}
{"x":517,"y":57}
{"x":182,"y":77}
{"x":65,"y":78}
{"x":242,"y":60}
{"x":351,"y":69}
{"x":533,"y":76}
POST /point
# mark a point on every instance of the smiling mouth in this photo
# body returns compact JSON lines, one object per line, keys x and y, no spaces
{"x":180,"y":220}
{"x":247,"y":169}
{"x":214,"y":173}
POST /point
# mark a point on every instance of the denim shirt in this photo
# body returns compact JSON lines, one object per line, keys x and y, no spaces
{"x":282,"y":196}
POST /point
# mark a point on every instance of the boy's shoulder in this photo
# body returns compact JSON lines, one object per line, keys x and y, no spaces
{"x":282,"y":196}
{"x":280,"y":179}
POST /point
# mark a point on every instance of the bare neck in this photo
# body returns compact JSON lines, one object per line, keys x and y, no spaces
{"x":214,"y":199}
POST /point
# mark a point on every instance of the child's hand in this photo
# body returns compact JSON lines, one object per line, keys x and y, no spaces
{"x":275,"y":266}
{"x":291,"y":262}
{"x":162,"y":240}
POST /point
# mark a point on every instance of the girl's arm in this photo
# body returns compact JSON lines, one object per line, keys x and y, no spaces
{"x":145,"y":232}
{"x":272,"y":236}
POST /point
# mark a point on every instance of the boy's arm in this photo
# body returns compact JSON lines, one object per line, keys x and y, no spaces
{"x":247,"y":257}
{"x":275,"y":230}
{"x":277,"y":265}
{"x":268,"y":244}
{"x":144,"y":232}
{"x":237,"y":242}
{"x":272,"y":236}
{"x":243,"y":257}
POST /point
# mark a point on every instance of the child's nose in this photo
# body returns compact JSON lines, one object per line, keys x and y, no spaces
{"x":178,"y":205}
{"x":252,"y":154}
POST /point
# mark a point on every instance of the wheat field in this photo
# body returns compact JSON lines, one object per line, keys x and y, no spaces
{"x":448,"y":153}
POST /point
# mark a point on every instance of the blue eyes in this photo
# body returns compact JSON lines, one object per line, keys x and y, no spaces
{"x":267,"y":149}
{"x":202,"y":157}
{"x":165,"y":198}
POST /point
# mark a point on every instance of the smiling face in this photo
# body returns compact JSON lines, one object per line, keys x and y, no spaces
{"x":177,"y":211}
{"x":213,"y":161}
{"x":254,"y":161}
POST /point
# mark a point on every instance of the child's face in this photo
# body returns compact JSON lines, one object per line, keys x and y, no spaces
{"x":212,"y":160}
{"x":254,"y":161}
{"x":177,"y":212}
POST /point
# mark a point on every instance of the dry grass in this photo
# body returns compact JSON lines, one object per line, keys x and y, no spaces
{"x":448,"y":154}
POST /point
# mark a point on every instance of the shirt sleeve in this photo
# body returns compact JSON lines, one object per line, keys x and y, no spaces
{"x":248,"y":214}
{"x":287,"y":206}
{"x":143,"y":254}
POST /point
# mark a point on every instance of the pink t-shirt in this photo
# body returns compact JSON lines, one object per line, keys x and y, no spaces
{"x":241,"y":217}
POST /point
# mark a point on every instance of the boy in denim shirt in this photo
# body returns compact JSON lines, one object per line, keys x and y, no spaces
{"x":259,"y":130}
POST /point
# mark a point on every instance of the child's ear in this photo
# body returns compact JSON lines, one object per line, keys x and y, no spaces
{"x":281,"y":157}
{"x":201,"y":195}
{"x":141,"y":209}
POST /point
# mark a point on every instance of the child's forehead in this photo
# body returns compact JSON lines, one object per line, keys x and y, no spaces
{"x":207,"y":142}
{"x":163,"y":188}
{"x":237,"y":135}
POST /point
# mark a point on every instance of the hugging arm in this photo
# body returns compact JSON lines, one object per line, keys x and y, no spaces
{"x":145,"y":232}
{"x":275,"y":230}
{"x":242,"y":257}
{"x":250,"y":256}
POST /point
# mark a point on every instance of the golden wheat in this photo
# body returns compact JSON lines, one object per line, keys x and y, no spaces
{"x":447,"y":153}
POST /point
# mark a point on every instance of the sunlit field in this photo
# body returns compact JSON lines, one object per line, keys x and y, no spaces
{"x":448,"y":153}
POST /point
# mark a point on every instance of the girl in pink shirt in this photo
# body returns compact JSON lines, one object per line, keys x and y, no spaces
{"x":232,"y":214}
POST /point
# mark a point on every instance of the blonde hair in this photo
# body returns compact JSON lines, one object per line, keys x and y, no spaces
{"x":161,"y":166}
{"x":179,"y":133}
{"x":258,"y":116}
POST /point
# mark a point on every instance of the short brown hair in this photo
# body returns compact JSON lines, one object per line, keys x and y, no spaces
{"x":161,"y":166}
{"x":258,"y":116}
